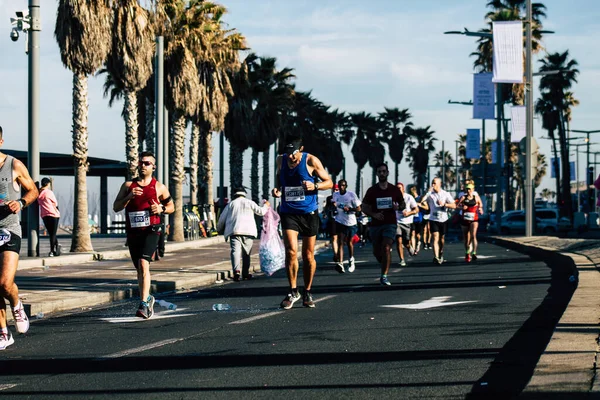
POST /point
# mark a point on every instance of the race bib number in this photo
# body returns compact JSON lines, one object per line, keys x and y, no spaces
{"x":139,"y":219}
{"x":469,"y":216}
{"x":440,"y":214}
{"x":294,"y":193}
{"x":384,"y":203}
{"x":4,"y":237}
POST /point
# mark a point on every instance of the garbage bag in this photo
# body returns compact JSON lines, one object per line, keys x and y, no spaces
{"x":271,"y":252}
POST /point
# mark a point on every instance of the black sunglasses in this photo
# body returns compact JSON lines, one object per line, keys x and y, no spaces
{"x":145,"y":163}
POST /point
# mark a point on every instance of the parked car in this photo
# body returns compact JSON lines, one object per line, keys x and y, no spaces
{"x":547,"y":222}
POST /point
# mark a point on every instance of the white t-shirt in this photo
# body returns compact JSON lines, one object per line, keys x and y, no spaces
{"x":349,"y":199}
{"x":436,"y":212}
{"x":411,"y":203}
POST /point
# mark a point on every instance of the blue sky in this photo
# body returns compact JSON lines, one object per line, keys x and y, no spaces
{"x":353,"y":55}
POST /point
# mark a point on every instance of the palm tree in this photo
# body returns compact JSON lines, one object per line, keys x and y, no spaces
{"x":420,"y":146}
{"x":82,"y":51}
{"x":550,"y":121}
{"x":395,"y":134}
{"x":448,"y":174}
{"x":272,"y":97}
{"x":556,"y":88}
{"x":130,"y":64}
{"x":366,"y":127}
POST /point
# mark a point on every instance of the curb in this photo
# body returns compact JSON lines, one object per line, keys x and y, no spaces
{"x":110,"y":254}
{"x":568,"y":364}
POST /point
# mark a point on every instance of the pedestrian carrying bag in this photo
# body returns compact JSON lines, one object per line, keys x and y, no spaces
{"x":271,"y":252}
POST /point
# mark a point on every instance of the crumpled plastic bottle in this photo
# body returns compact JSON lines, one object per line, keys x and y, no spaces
{"x":166,"y":304}
{"x":221,"y":307}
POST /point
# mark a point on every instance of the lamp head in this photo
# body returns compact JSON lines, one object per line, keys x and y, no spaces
{"x":14,"y":35}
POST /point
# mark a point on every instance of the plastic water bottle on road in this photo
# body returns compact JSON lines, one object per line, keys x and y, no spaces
{"x":221,"y":307}
{"x":166,"y":304}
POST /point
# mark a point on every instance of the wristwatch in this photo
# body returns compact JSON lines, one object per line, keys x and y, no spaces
{"x":164,"y":208}
{"x":316,"y":186}
{"x":23,"y":203}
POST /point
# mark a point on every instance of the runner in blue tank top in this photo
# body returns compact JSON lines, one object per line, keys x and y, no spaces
{"x":299,"y":213}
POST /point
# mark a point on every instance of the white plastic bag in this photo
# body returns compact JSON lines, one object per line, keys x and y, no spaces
{"x":271,"y":252}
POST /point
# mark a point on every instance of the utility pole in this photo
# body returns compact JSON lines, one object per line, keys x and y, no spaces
{"x":529,"y":127}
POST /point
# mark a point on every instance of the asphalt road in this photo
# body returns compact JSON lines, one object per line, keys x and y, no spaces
{"x":439,"y":332}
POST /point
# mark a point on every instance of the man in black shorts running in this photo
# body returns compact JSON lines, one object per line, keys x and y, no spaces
{"x":144,"y":200}
{"x":299,"y":209}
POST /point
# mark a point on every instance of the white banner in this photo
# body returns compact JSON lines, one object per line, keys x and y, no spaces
{"x":518,"y":122}
{"x":472,"y":150}
{"x":508,"y":52}
{"x":495,"y":153}
{"x":483,"y":96}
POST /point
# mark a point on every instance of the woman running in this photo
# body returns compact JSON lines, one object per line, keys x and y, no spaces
{"x":471,"y":206}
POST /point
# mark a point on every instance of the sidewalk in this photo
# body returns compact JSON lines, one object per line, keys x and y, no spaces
{"x":568,"y":363}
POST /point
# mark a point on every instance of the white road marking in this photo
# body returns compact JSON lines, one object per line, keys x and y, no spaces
{"x":270,"y":314}
{"x":83,"y":272}
{"x":154,"y":345}
{"x":6,"y":386}
{"x":157,"y":315}
{"x":123,"y":267}
{"x":434,"y":302}
{"x":481,"y":257}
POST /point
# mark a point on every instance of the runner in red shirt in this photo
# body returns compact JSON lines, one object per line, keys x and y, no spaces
{"x":144,"y":199}
{"x":471,"y":207}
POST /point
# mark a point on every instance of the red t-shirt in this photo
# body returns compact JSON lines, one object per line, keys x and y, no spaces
{"x":137,"y":212}
{"x":381,"y":200}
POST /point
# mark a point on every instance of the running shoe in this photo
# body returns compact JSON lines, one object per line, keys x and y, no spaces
{"x":418,"y":248}
{"x":402,"y":263}
{"x":20,"y":317}
{"x":6,"y":340}
{"x":351,"y":266}
{"x":146,"y":308}
{"x":236,"y":276}
{"x":468,"y":258}
{"x":339,"y":267}
{"x":248,"y":277}
{"x":307,"y":300}
{"x":383,"y":281}
{"x":411,"y":251}
{"x":289,"y":300}
{"x":474,"y":257}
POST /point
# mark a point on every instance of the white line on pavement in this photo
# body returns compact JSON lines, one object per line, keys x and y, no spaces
{"x":157,"y":315}
{"x":270,"y":314}
{"x":5,"y":386}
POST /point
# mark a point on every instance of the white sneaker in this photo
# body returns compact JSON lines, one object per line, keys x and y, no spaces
{"x":402,"y":263}
{"x":20,"y":317}
{"x":6,"y":340}
{"x":339,"y":267}
{"x":351,"y":266}
{"x":411,"y":251}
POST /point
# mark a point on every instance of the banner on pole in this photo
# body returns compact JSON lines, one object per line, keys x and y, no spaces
{"x":508,"y":52}
{"x":473,"y":143}
{"x":573,"y":170}
{"x":483,"y":96}
{"x":495,"y":153}
{"x":518,"y":122}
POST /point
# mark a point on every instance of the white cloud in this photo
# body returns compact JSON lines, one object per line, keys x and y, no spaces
{"x":429,"y":74}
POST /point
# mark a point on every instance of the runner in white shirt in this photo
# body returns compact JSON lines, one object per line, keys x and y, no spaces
{"x":405,"y":219}
{"x":439,"y":201}
{"x":347,"y":204}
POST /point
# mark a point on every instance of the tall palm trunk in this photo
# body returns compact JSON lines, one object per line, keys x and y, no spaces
{"x":556,"y":167}
{"x":131,"y":133}
{"x":566,"y":170}
{"x":194,"y":150}
{"x":149,"y":137}
{"x":177,"y":155}
{"x":266,"y":178}
{"x":81,"y":241}
{"x":358,"y":175}
{"x":396,"y":172}
{"x":254,"y":175}
{"x":205,"y":173}
{"x":236,"y":166}
{"x":141,"y":119}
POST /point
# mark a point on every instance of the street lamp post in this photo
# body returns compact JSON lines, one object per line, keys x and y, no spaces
{"x":30,"y":24}
{"x":529,"y":127}
{"x":457,"y":142}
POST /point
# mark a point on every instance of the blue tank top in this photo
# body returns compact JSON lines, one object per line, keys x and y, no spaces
{"x":296,"y":200}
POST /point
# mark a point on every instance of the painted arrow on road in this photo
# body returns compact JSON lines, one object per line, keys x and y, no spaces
{"x":433,"y":302}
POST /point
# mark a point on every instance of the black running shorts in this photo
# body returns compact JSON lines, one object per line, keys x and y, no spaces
{"x":142,"y":245}
{"x":306,"y":225}
{"x":441,"y":227}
